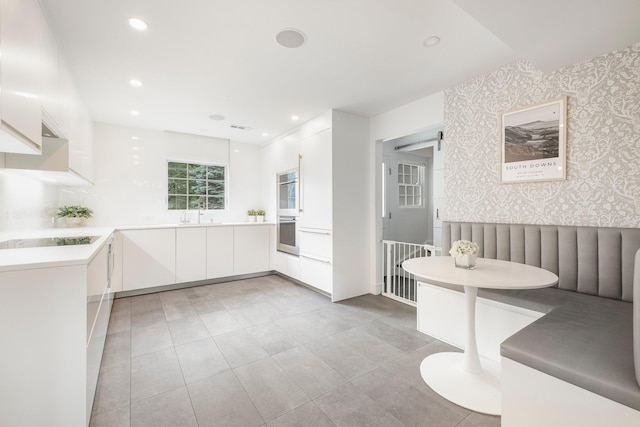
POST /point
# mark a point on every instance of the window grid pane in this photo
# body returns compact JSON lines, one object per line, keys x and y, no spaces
{"x":193,"y":186}
{"x":410,"y":185}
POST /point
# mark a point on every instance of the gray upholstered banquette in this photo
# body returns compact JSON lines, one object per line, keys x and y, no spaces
{"x":589,"y":335}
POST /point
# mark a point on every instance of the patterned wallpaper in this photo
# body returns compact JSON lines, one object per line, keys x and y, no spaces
{"x":603,"y":145}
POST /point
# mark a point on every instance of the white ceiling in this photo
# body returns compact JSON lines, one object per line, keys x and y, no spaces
{"x":204,"y":57}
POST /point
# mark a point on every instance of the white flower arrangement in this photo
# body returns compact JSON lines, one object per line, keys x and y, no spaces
{"x":463,"y":247}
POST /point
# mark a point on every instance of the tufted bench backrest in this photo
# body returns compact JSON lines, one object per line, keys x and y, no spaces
{"x":591,"y":260}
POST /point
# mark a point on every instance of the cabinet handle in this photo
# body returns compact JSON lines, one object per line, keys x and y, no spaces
{"x":312,"y":231}
{"x":300,"y":183}
{"x":326,"y":261}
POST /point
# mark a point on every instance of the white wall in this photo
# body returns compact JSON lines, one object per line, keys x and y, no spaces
{"x":425,"y":113}
{"x":25,"y":203}
{"x":131,"y":175}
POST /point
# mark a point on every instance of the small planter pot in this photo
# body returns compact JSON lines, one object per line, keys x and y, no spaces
{"x":74,"y":222}
{"x":251,"y":218}
{"x":260,"y":218}
{"x":467,"y":262}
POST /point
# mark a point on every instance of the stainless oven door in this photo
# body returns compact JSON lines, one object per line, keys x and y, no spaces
{"x":288,"y":193}
{"x":288,"y":235}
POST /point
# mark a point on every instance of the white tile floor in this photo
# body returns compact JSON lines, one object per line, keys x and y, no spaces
{"x":267,"y":352}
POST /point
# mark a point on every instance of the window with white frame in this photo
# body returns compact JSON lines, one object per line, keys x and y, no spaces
{"x":193,"y":186}
{"x":410,"y":183}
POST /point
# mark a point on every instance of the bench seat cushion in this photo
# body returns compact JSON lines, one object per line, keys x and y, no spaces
{"x":583,"y":340}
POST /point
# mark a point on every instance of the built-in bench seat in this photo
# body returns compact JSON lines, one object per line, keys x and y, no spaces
{"x":586,"y":335}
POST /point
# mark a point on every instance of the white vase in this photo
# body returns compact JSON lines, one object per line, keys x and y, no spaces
{"x":466,"y":261}
{"x":260,"y":218}
{"x":251,"y":218}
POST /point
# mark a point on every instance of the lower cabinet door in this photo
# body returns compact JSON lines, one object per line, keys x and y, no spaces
{"x":251,"y":249}
{"x":219,"y":252}
{"x":317,"y":272}
{"x":148,"y":258}
{"x":95,"y":347}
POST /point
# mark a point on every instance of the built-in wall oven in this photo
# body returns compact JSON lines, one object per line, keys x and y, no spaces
{"x":287,"y":183}
{"x":288,"y":234}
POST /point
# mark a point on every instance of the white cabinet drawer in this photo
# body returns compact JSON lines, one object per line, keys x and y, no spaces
{"x":317,"y":272}
{"x":316,"y":242}
{"x":288,"y":265}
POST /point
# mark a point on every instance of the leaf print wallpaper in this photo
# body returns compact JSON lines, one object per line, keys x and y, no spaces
{"x":603,"y":145}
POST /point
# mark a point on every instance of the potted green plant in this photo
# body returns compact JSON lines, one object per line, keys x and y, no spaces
{"x":251,"y":215}
{"x":260,"y":215}
{"x":74,"y":215}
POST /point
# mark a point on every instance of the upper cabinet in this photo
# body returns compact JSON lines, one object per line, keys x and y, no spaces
{"x":36,"y":87}
{"x":21,"y":36}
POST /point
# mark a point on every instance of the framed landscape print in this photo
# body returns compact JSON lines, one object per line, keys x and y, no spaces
{"x":533,"y":143}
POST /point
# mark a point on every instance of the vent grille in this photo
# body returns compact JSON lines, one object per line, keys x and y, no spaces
{"x":240,"y":127}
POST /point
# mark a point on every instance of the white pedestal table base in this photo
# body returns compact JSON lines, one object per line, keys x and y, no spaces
{"x":444,"y":373}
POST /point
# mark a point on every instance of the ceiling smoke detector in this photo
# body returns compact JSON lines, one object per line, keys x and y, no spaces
{"x":239,"y":127}
{"x":291,"y":38}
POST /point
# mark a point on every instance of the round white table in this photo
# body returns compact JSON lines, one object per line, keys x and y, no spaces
{"x":463,"y":378}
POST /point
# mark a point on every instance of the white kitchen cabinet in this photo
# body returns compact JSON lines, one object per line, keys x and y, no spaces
{"x":288,"y":264}
{"x":251,"y":249}
{"x":99,"y":302}
{"x":21,"y":43}
{"x":219,"y":252}
{"x":148,"y":258}
{"x":191,"y":254}
{"x":53,"y":325}
{"x":316,"y":181}
{"x":334,"y":231}
{"x":317,"y":272}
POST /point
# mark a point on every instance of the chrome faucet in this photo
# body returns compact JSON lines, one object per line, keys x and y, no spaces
{"x":200,"y":208}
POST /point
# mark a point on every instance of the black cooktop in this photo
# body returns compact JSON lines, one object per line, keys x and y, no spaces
{"x":48,"y":241}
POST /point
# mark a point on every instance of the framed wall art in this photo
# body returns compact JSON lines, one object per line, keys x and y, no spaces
{"x":533,"y":142}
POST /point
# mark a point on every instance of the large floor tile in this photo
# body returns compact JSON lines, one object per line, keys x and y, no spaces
{"x":310,"y":372}
{"x":143,"y":319}
{"x":347,"y":361}
{"x":404,"y":402}
{"x":155,"y":373}
{"x":369,"y":346}
{"x":120,"y":320}
{"x":150,"y":339}
{"x":220,"y":322}
{"x":301,"y":329}
{"x":350,"y":407}
{"x":239,"y":348}
{"x":200,"y":359}
{"x":483,"y":420}
{"x":178,"y":310}
{"x":273,"y":338}
{"x":221,"y":401}
{"x":306,"y":415}
{"x":398,"y":338}
{"x":117,"y":418}
{"x":270,"y":388}
{"x":117,"y":348}
{"x":324,"y":320}
{"x":172,"y":408}
{"x":187,"y":330}
{"x":249,"y":315}
{"x":114,"y":387}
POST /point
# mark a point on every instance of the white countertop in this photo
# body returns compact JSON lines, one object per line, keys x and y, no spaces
{"x":191,"y":224}
{"x":52,"y":256}
{"x":60,"y":256}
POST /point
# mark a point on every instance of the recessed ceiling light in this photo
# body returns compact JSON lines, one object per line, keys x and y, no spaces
{"x":216,"y":117}
{"x":135,"y":82}
{"x":135,"y":138}
{"x":134,"y":148}
{"x":134,"y":112}
{"x":431,"y":41}
{"x":236,"y":151}
{"x":138,"y":24}
{"x":291,"y":38}
{"x":265,"y":134}
{"x":294,"y":118}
